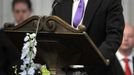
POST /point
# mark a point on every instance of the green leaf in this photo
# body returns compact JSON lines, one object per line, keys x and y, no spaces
{"x":44,"y":70}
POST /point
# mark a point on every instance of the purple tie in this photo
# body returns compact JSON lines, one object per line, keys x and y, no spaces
{"x":79,"y":14}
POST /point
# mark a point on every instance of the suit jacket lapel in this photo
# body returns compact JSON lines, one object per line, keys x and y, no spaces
{"x":118,"y":68}
{"x":90,"y":11}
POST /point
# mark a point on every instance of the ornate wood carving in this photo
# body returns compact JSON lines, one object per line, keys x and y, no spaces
{"x":46,"y":24}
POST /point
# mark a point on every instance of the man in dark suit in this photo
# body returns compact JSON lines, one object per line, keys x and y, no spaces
{"x":124,"y":55}
{"x":104,"y":24}
{"x":8,"y":55}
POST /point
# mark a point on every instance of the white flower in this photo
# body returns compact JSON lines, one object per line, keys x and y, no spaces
{"x":26,"y":60}
{"x":34,"y":50}
{"x":26,"y":45}
{"x":23,"y":67}
{"x":26,"y":38}
{"x":28,"y":54}
{"x":24,"y":53}
{"x":23,"y":73}
{"x":31,"y":71}
{"x":33,"y":35}
{"x":37,"y":66}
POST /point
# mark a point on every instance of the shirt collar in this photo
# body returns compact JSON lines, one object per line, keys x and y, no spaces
{"x":121,"y":57}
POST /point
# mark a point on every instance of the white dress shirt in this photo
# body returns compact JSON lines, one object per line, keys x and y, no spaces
{"x":120,"y":57}
{"x":74,"y":9}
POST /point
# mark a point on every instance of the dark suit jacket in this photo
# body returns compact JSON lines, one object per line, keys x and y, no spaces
{"x":8,"y":55}
{"x":104,"y":22}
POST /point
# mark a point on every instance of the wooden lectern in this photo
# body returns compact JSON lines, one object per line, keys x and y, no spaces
{"x":59,"y":44}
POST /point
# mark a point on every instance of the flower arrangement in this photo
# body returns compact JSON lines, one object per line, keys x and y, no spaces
{"x":28,"y":54}
{"x":29,"y":51}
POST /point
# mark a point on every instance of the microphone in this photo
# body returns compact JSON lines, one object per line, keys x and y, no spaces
{"x":56,"y":2}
